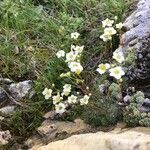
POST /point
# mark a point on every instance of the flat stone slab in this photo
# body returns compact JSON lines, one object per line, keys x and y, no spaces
{"x":52,"y":130}
{"x":126,"y":139}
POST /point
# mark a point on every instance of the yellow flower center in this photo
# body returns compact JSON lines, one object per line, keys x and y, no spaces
{"x":57,"y":99}
{"x":60,"y":108}
{"x":48,"y":93}
{"x":102,"y":67}
{"x":110,"y":32}
{"x":116,"y":72}
{"x":75,"y":65}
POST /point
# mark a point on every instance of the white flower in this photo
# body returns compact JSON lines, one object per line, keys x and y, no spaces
{"x":84,"y":100}
{"x":71,"y":56}
{"x":105,"y":37}
{"x":66,"y":89}
{"x":119,"y":25}
{"x":102,"y":68}
{"x":72,"y":47}
{"x":110,"y":31}
{"x":56,"y":99}
{"x":60,"y":53}
{"x":72,"y":99}
{"x":117,"y":72}
{"x":107,"y":23}
{"x":78,"y":49}
{"x":47,"y":93}
{"x":75,"y":35}
{"x":118,"y":56}
{"x":75,"y":67}
{"x":60,"y":108}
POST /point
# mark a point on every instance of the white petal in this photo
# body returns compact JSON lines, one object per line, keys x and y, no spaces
{"x":45,"y":90}
{"x":107,"y":66}
{"x":100,"y":71}
{"x":47,"y":96}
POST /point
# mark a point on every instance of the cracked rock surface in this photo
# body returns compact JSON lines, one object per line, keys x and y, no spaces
{"x":51,"y":130}
{"x":11,"y":93}
{"x":118,"y":139}
{"x":137,"y":39}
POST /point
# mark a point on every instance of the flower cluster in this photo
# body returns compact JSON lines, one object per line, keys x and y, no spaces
{"x":109,"y":30}
{"x":115,"y":71}
{"x":73,"y":57}
{"x":66,"y":97}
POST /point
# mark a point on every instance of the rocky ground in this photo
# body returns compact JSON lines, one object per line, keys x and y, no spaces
{"x":136,"y":38}
{"x":118,"y":139}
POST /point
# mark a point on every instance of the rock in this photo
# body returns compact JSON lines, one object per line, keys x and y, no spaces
{"x":5,"y":81}
{"x":127,"y":98}
{"x":3,"y":95}
{"x":21,"y":89}
{"x":58,"y":127}
{"x":7,"y":110}
{"x":120,"y":125}
{"x":137,"y":39}
{"x":146,"y":102}
{"x":126,"y":139}
{"x":11,"y":93}
{"x":50,"y":115}
{"x":1,"y":119}
{"x":145,"y":106}
{"x":35,"y":141}
{"x":50,"y":130}
{"x":17,"y":91}
{"x":102,"y":88}
{"x":143,"y":109}
{"x":139,"y":21}
{"x":5,"y":136}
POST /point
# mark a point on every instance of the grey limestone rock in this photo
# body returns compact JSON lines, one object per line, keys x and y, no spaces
{"x":7,"y":110}
{"x":21,"y":89}
{"x":12,"y":93}
{"x":137,"y":39}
